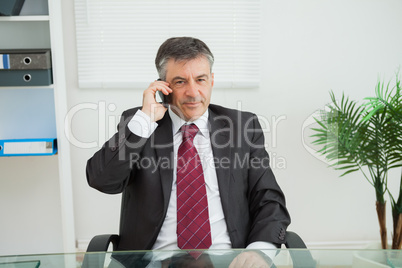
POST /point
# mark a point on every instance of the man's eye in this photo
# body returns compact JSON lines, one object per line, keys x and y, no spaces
{"x":179,"y":82}
{"x":201,"y":80}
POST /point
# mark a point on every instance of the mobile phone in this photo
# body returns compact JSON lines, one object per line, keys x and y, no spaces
{"x":165,"y":98}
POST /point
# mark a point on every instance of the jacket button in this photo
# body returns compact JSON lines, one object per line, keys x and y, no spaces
{"x":113,"y":149}
{"x":122,"y":137}
{"x":282,"y":234}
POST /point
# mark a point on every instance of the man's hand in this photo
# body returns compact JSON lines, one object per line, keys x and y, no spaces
{"x":249,"y":259}
{"x":150,"y":106}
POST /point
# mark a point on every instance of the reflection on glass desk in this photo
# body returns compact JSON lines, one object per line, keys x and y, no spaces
{"x":20,"y":264}
{"x":211,"y":258}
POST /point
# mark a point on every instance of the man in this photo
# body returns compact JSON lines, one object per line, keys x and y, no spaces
{"x":145,"y":159}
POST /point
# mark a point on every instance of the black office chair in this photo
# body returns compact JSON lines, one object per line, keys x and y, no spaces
{"x":101,"y":243}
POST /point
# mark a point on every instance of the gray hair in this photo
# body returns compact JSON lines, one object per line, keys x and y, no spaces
{"x":181,"y":48}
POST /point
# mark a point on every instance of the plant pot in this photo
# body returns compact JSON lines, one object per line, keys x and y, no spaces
{"x":375,"y":257}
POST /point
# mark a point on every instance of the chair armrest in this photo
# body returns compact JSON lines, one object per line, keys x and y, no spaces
{"x":101,"y":243}
{"x":300,"y":258}
{"x":96,"y":250}
{"x":293,"y":240}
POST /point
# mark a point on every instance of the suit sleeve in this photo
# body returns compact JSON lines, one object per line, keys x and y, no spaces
{"x":110,"y":168}
{"x":268,"y":214}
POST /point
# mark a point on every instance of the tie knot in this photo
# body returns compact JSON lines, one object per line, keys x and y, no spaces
{"x":189,"y":131}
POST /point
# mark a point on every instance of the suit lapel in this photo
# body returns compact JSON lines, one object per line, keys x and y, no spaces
{"x":163,"y":142}
{"x":220,"y":142}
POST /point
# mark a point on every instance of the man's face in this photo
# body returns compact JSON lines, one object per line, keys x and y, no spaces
{"x":191,"y":82}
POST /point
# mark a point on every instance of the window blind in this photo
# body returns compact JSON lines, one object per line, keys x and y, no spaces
{"x":117,"y":40}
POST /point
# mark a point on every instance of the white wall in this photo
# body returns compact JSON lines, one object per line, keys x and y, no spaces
{"x":309,"y":48}
{"x":30,"y":220}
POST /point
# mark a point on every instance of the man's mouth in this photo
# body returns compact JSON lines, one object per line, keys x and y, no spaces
{"x":192,"y":104}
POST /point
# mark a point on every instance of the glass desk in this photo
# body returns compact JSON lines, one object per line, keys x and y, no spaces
{"x":212,"y":258}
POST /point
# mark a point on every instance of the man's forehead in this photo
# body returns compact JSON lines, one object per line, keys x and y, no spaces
{"x":200,"y":59}
{"x":198,"y":66}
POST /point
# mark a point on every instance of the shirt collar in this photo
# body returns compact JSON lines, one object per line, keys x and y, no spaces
{"x":201,"y":122}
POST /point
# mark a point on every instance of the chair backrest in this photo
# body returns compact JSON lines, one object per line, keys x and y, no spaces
{"x":300,"y":258}
{"x":293,"y":240}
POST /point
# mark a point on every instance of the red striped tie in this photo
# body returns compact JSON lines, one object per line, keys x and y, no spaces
{"x":193,"y":228}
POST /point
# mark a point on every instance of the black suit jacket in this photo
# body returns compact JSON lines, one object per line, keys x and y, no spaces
{"x":252,"y":202}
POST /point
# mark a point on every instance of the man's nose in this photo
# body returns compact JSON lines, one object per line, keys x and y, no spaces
{"x":192,"y":89}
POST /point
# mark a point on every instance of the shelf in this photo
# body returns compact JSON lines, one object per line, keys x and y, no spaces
{"x":25,"y":18}
{"x":24,"y":87}
{"x":28,"y":113}
{"x":25,"y":32}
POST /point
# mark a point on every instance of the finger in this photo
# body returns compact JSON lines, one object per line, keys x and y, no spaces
{"x":233,"y":263}
{"x":237,"y":262}
{"x":166,"y":90}
{"x":159,"y":86}
{"x":249,"y":260}
{"x":163,"y":83}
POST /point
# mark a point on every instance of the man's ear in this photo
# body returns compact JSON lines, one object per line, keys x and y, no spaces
{"x":212,"y":79}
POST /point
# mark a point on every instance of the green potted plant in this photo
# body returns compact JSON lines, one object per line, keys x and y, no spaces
{"x":367,"y":138}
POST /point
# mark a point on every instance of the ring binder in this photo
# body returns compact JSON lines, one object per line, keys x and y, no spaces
{"x":11,"y":7}
{"x":25,"y":59}
{"x":26,"y":77}
{"x":27,"y":147}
